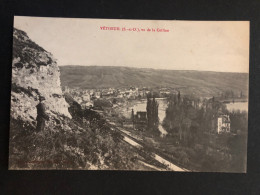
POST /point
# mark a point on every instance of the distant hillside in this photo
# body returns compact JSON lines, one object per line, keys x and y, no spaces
{"x":203,"y":83}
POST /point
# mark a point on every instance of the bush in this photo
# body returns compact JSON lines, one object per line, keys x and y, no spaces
{"x":67,"y":150}
{"x":102,"y":103}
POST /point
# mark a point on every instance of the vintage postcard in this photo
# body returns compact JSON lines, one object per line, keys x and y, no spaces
{"x":147,"y":95}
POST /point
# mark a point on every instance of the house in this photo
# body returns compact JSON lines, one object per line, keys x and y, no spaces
{"x":120,"y":95}
{"x":86,"y":97}
{"x":140,"y":120}
{"x":89,"y":104}
{"x":164,"y":92}
{"x":97,"y":94}
{"x":78,"y":99}
{"x":223,"y":124}
{"x":140,"y":116}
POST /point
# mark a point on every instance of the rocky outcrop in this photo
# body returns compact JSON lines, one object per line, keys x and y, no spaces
{"x":84,"y":142}
{"x":34,"y":73}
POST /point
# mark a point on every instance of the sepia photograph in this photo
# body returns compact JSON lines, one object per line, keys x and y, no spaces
{"x":133,"y":95}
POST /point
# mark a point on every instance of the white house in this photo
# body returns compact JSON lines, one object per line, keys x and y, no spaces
{"x":86,"y":97}
{"x":223,"y":124}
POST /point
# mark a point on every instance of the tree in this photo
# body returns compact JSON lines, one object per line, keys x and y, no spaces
{"x":184,"y":118}
{"x":179,"y":97}
{"x":155,"y":117}
{"x":133,"y":118}
{"x":149,"y":112}
{"x":175,"y":116}
{"x":152,"y":113}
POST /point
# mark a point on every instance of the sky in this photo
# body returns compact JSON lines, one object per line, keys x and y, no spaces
{"x":221,"y":46}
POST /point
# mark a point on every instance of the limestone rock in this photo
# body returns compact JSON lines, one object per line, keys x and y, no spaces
{"x":34,"y":72}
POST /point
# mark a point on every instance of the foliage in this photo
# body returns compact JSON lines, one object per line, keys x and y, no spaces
{"x":195,"y":128}
{"x":90,"y":145}
{"x":181,"y":118}
{"x":102,"y":103}
{"x":152,"y":113}
{"x":239,"y":121}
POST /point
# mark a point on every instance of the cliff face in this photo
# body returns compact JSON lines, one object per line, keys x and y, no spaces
{"x":34,"y":72}
{"x":65,"y":143}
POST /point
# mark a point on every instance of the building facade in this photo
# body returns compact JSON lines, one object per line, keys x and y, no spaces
{"x":223,"y":125}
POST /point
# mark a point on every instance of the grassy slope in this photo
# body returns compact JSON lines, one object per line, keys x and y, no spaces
{"x":199,"y":82}
{"x":84,"y":146}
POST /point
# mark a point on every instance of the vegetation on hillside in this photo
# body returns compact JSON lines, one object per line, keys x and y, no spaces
{"x":192,"y":132}
{"x":88,"y":143}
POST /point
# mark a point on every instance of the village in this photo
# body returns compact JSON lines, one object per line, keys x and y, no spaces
{"x":206,"y":123}
{"x":106,"y":99}
{"x":88,"y":95}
